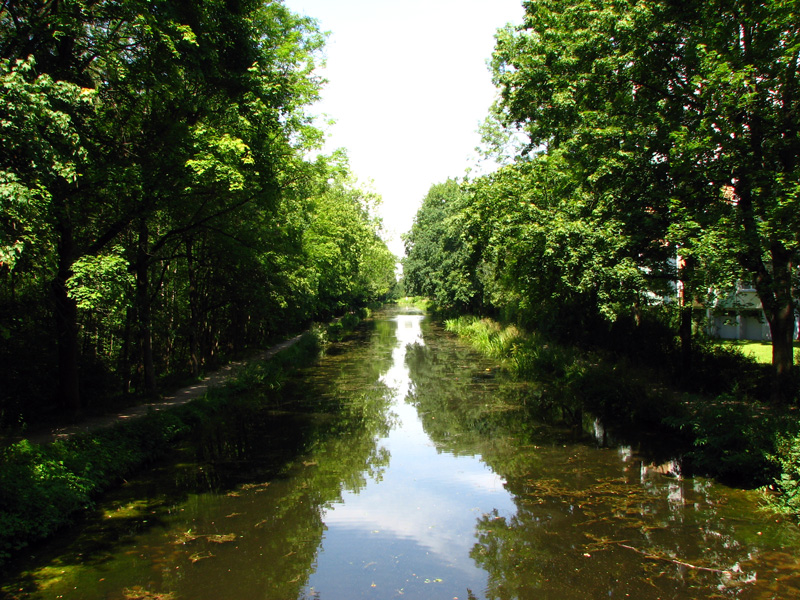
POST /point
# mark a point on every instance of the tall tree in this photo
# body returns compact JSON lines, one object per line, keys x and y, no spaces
{"x":441,"y":254}
{"x":682,"y":117}
{"x":140,"y":123}
{"x":349,"y":262}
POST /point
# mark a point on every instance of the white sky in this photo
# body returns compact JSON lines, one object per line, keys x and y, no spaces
{"x":408,"y":86}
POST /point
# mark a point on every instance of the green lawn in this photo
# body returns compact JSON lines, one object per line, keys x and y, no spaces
{"x":761,"y":351}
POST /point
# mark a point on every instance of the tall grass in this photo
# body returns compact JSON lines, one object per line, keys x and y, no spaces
{"x":527,"y":355}
{"x":487,"y":335}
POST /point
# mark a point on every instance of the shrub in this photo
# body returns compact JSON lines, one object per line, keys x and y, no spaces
{"x":36,"y":492}
{"x":786,"y":461}
{"x":42,"y":487}
{"x":350,"y":321}
{"x":732,"y":441}
{"x":719,"y":369}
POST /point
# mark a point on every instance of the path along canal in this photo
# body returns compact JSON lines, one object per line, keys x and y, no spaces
{"x":404,"y":465}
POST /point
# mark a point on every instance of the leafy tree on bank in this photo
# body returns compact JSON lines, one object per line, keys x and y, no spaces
{"x":528,"y":242}
{"x":347,"y":261}
{"x":685,"y":112}
{"x":441,"y":254}
{"x":142,"y":65}
{"x":154,"y":192}
{"x":557,"y":259}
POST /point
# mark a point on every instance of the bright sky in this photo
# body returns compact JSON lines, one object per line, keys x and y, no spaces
{"x":408,"y":88}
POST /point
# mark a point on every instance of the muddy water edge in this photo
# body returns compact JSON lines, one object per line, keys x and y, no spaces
{"x":405,"y":465}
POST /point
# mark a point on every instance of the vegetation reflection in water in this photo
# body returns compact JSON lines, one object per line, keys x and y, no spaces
{"x":405,"y":466}
{"x":409,"y":533}
{"x":594,"y":521}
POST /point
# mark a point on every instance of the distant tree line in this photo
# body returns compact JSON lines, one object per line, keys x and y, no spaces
{"x":158,"y":209}
{"x":660,"y":160}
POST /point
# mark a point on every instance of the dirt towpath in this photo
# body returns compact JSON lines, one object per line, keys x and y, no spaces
{"x":182,"y":396}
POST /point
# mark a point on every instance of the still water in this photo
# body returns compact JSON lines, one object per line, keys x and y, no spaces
{"x":404,"y":465}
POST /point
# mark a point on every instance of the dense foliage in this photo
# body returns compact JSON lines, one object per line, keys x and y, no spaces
{"x":158,"y":213}
{"x":661,"y":169}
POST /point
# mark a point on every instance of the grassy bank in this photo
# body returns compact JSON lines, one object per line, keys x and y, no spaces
{"x":759,"y":351}
{"x":729,"y":435}
{"x":569,"y":381}
{"x":44,"y":487}
{"x":418,"y":302}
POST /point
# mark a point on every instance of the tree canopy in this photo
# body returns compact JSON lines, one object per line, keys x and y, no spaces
{"x":159,"y":211}
{"x":661,"y":163}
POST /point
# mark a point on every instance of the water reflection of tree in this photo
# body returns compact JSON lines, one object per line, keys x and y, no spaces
{"x":465,"y":405}
{"x":343,"y":414}
{"x":241,"y":512}
{"x":279,"y":522}
{"x":589,"y":522}
{"x":606,"y":541}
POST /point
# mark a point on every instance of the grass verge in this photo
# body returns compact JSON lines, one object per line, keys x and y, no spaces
{"x":570,"y":381}
{"x":759,"y":351}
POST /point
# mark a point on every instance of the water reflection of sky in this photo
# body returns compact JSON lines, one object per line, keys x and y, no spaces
{"x":412,"y":531}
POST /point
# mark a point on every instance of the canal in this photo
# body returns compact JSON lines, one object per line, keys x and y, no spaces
{"x":404,"y":465}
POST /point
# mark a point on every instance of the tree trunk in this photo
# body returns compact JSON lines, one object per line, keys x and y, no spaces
{"x":782,"y":330}
{"x":774,"y":288}
{"x":779,"y":306}
{"x":194,"y":313}
{"x":125,"y":361}
{"x":66,"y":321}
{"x":685,"y":333}
{"x":66,"y":317}
{"x":144,"y":310}
{"x":685,"y":267}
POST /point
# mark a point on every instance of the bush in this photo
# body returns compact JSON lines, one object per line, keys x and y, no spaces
{"x":37,"y":491}
{"x":786,"y":461}
{"x":719,"y":370}
{"x":732,"y":441}
{"x":338,"y":329}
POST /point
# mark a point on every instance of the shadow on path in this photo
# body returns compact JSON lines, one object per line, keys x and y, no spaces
{"x":182,"y":396}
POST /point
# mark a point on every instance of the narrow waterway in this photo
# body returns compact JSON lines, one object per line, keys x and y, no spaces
{"x":405,"y":465}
